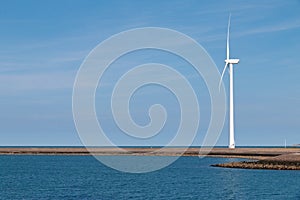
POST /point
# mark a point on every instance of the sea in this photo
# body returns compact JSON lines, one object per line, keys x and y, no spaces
{"x":84,"y":177}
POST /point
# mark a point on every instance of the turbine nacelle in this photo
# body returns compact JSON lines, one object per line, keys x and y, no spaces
{"x":232,"y":61}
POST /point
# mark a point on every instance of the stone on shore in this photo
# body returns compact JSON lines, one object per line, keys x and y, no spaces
{"x":282,"y":162}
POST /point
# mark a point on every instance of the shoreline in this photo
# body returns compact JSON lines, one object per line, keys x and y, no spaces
{"x":259,"y":158}
{"x":145,"y":151}
{"x":171,"y":151}
{"x":287,"y":161}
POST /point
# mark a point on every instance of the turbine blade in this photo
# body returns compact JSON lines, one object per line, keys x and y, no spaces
{"x":222,"y":75}
{"x":227,"y":57}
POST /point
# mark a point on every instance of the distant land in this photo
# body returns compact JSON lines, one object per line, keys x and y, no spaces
{"x":259,"y":158}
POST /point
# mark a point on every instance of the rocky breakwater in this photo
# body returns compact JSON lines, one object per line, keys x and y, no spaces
{"x":290,"y":161}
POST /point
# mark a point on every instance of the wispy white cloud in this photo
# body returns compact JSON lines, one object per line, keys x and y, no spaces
{"x":281,"y":26}
{"x":14,"y":83}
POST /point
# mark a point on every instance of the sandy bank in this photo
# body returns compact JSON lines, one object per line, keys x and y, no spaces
{"x":261,"y":158}
{"x":260,"y":153}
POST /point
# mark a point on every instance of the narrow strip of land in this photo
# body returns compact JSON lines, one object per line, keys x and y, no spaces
{"x":286,"y":161}
{"x":261,"y":158}
{"x":220,"y":152}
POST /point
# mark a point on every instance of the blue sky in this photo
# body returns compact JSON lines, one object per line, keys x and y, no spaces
{"x":43,"y":44}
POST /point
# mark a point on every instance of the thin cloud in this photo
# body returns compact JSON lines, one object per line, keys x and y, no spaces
{"x":10,"y":83}
{"x":271,"y":28}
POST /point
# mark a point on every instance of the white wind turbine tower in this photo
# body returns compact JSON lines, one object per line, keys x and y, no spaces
{"x":229,"y":62}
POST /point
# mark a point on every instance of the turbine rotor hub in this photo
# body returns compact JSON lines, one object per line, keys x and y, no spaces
{"x":232,"y":61}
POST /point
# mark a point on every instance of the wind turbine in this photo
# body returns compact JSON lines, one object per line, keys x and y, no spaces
{"x":229,"y":63}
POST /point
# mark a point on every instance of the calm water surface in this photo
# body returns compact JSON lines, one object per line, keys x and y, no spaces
{"x":83,"y":177}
